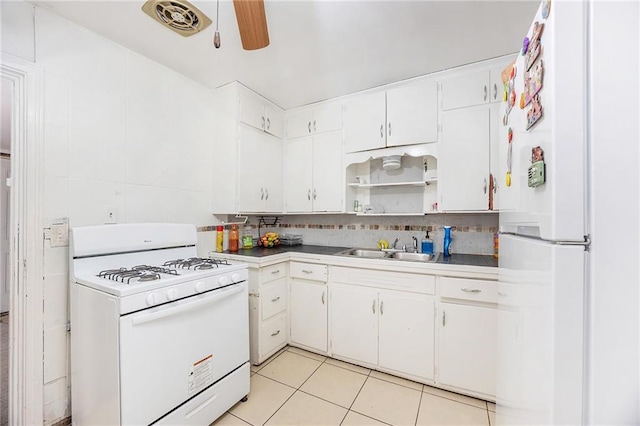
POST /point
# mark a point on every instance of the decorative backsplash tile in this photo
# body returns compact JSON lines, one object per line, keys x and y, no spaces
{"x":472,"y":233}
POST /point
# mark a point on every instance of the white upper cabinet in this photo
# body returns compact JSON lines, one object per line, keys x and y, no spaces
{"x":403,"y":115}
{"x":308,"y":122}
{"x":260,"y":177}
{"x":313,"y":173}
{"x":473,"y":88}
{"x":463,"y":166}
{"x":412,"y":114}
{"x":364,"y":122}
{"x":259,"y":113}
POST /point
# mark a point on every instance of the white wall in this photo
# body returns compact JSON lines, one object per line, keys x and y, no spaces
{"x":122,"y":133}
{"x":16,"y":31}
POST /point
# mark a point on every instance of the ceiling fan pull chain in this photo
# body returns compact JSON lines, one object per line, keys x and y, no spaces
{"x":216,"y":35}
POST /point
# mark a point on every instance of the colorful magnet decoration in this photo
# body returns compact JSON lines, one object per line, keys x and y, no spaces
{"x":509,"y":155}
{"x":533,"y":81}
{"x":535,"y":48}
{"x":510,"y":95}
{"x":535,"y":113}
{"x":546,"y":8}
{"x":535,"y":173}
{"x":525,"y":46}
{"x":522,"y":98}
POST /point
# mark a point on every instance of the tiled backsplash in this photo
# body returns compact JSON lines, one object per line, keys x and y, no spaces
{"x":472,"y":233}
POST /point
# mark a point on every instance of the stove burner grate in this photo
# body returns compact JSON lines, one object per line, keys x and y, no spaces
{"x":140,"y":273}
{"x":196,"y":263}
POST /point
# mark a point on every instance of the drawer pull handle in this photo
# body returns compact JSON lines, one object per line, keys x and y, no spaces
{"x":373,"y":306}
{"x":471,"y":290}
{"x":443,"y":318}
{"x":275,"y":299}
{"x":382,"y":307}
{"x":306,"y":271}
{"x":323,"y":297}
{"x":277,"y":271}
{"x":275,"y":334}
{"x":501,"y":294}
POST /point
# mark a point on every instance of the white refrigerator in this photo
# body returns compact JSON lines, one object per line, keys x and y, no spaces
{"x":546,"y":370}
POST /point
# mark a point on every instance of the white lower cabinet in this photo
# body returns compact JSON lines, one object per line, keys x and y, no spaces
{"x":309,"y":314}
{"x":309,"y":300}
{"x":394,"y":330}
{"x":467,"y":335}
{"x":268,"y":325}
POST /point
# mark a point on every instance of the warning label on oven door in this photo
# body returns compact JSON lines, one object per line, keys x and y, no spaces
{"x":200,"y":374}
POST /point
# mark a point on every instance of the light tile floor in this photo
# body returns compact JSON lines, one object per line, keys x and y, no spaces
{"x":296,"y":387}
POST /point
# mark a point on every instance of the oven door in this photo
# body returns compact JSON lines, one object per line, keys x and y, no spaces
{"x":170,"y":353}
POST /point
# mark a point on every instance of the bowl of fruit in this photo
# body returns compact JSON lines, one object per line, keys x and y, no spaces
{"x":269,"y":240}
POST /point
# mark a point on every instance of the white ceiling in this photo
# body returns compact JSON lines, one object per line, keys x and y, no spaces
{"x":319,"y":49}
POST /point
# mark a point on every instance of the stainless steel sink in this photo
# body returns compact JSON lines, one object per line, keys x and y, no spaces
{"x":379,"y":254}
{"x":415,"y":257}
{"x":371,"y":254}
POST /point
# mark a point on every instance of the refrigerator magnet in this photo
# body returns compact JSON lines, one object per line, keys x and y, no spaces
{"x":525,"y":46}
{"x":535,"y":47}
{"x":546,"y":8}
{"x":535,"y":174}
{"x":533,"y":82}
{"x":509,"y":155}
{"x":535,"y":113}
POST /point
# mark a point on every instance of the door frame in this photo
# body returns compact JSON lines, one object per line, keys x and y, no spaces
{"x":26,"y":367}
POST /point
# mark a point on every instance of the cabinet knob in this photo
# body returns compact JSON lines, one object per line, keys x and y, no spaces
{"x":485,"y":92}
{"x":309,"y":195}
{"x":382,"y":130}
{"x":323,"y":297}
{"x":262,"y":122}
{"x":314,"y":125}
{"x":268,"y":123}
{"x":314,"y":194}
{"x":373,"y":306}
{"x":484,"y":187}
{"x":495,"y":91}
{"x":495,"y":185}
{"x":389,"y":128}
{"x":266,"y":192}
{"x":262,"y":193}
{"x":309,"y":127}
{"x":382,"y":307}
{"x":444,"y":318}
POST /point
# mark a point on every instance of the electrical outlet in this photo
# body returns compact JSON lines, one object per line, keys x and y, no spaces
{"x":110,"y":215}
{"x":59,"y":234}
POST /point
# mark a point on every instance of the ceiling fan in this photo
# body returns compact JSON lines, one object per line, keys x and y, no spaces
{"x":186,"y":19}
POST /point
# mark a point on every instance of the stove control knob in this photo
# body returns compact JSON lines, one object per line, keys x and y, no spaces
{"x":172,"y":294}
{"x":224,"y":280}
{"x":151,"y":299}
{"x":200,"y":287}
{"x":235,"y":277}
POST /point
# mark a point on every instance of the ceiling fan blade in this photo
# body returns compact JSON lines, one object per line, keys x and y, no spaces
{"x":252,"y":23}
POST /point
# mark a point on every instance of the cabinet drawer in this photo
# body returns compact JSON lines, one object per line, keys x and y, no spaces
{"x":273,"y":272}
{"x":273,"y":333}
{"x":273,"y":299}
{"x":308,"y":271}
{"x":402,"y":281}
{"x":468,"y":289}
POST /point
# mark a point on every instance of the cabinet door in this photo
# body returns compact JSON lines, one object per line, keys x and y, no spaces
{"x":271,"y":173}
{"x":412,"y":114}
{"x":464,"y":162}
{"x":274,"y":121}
{"x":299,"y":123}
{"x":496,"y":85}
{"x":364,"y":122}
{"x":309,"y":314}
{"x":298,"y":175}
{"x":260,"y":176}
{"x":467,"y":347}
{"x":498,"y":147}
{"x":354,"y":323}
{"x":252,"y":110}
{"x":466,"y":90}
{"x":327,"y":172}
{"x":250,"y":183}
{"x":407,"y":333}
{"x":327,"y":118}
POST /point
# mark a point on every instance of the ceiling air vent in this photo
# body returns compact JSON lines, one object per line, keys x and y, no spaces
{"x":179,"y":16}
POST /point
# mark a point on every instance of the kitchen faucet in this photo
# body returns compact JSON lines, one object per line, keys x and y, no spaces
{"x":415,"y":244}
{"x":395,"y":242}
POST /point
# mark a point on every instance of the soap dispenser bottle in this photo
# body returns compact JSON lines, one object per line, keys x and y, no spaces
{"x":427,"y":244}
{"x":447,"y":241}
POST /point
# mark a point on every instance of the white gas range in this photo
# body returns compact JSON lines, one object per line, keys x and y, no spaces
{"x":158,"y":335}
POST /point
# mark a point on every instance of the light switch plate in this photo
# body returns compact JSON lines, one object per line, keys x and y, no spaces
{"x":59,"y":234}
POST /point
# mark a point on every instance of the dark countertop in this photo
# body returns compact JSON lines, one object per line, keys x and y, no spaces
{"x":454,"y":259}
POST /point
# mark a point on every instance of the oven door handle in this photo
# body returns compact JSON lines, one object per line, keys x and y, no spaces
{"x":217,"y":296}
